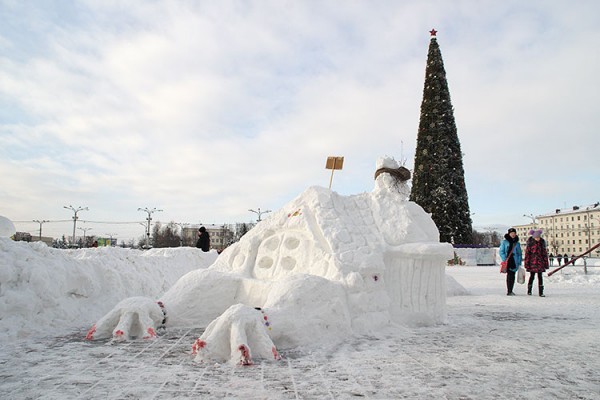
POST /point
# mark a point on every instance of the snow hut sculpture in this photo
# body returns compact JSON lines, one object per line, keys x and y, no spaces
{"x":322,"y":267}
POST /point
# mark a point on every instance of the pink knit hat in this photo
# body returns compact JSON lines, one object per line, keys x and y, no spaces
{"x":536,"y":233}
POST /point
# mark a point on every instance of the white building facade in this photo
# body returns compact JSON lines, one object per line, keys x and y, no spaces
{"x":570,"y":231}
{"x":221,"y":236}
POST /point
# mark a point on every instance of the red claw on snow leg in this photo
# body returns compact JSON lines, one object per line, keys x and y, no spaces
{"x":245,"y":358}
{"x":198,"y":345}
{"x":118,"y":335}
{"x":151,"y":334}
{"x":276,"y":355}
{"x":90,"y":334}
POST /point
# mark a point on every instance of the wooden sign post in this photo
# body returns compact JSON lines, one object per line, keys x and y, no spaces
{"x":334,"y":163}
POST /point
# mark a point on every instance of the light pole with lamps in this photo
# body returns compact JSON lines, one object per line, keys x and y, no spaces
{"x":75,"y":210}
{"x":149,"y":219}
{"x":532,"y":218}
{"x":41,"y":223}
{"x":181,"y":225}
{"x":259,"y":213}
{"x":84,"y":232}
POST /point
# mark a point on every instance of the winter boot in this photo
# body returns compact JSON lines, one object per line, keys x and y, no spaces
{"x":542,"y":291}
{"x":529,"y":287}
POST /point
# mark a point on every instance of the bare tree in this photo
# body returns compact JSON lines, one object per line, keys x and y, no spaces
{"x":166,"y":236}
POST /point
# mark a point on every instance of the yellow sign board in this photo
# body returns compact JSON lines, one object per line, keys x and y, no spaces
{"x":334,"y":163}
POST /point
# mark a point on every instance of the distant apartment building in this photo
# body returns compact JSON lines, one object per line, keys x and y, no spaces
{"x":221,"y":236}
{"x":571,"y":231}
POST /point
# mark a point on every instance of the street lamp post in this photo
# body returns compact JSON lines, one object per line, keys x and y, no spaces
{"x":532,"y":218}
{"x":75,"y":210}
{"x":490,"y":232}
{"x":259,"y":213}
{"x":41,"y":223}
{"x":84,"y":232}
{"x":181,"y":225}
{"x":149,"y":219}
{"x":144,"y":225}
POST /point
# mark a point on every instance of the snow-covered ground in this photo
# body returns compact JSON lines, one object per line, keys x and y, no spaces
{"x":492,"y":346}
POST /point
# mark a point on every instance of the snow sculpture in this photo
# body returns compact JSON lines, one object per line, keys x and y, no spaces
{"x":321,"y":268}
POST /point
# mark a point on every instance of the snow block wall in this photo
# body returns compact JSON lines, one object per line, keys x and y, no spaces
{"x":416,"y":282}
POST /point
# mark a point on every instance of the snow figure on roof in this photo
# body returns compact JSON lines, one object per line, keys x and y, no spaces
{"x":321,"y":268}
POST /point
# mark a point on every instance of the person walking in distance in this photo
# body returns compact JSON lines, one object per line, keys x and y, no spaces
{"x":203,"y":239}
{"x":559,"y":259}
{"x":536,"y":260}
{"x":566,"y":259}
{"x":510,"y":250}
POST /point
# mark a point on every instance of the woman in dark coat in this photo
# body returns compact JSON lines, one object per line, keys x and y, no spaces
{"x":536,"y":260}
{"x":203,"y":240}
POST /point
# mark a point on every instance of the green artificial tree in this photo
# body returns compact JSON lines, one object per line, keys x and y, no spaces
{"x":439,"y":178}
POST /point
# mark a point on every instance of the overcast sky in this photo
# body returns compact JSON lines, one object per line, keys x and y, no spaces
{"x":206,"y":109}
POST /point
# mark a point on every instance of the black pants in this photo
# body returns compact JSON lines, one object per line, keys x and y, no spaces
{"x":510,"y":280}
{"x":532,"y":278}
{"x":510,"y":275}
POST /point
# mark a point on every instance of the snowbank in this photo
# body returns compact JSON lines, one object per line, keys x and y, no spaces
{"x":7,"y":228}
{"x":43,"y":288}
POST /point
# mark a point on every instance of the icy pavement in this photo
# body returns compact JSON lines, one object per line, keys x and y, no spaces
{"x":493,"y":347}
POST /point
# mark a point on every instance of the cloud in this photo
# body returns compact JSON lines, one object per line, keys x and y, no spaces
{"x":208,"y":109}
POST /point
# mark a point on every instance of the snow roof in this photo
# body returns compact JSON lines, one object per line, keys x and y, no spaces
{"x":573,"y":210}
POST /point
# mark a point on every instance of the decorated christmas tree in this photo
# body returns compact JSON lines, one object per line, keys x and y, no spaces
{"x":439,"y":178}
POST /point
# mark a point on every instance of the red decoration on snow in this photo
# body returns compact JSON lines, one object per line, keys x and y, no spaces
{"x":433,"y":32}
{"x":276,"y":355}
{"x":245,"y":358}
{"x":267,"y":323}
{"x":151,"y":334}
{"x":90,"y":334}
{"x":198,"y":345}
{"x":118,"y":334}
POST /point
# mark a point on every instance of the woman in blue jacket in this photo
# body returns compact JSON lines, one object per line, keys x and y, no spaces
{"x":511,"y":242}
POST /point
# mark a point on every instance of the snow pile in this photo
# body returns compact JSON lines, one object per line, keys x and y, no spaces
{"x":577,"y":276}
{"x":590,"y":262}
{"x":7,"y":228}
{"x":43,"y":288}
{"x":453,"y":288}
